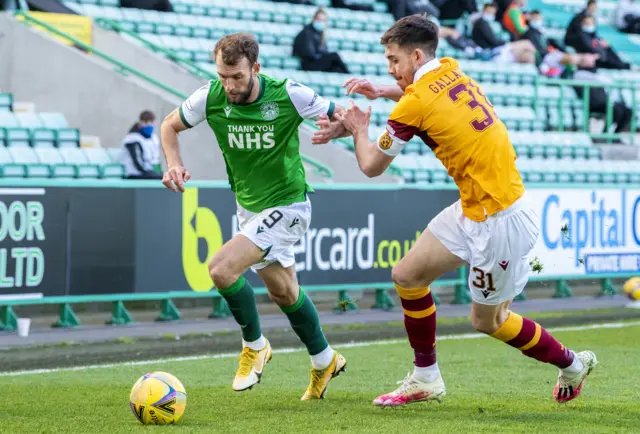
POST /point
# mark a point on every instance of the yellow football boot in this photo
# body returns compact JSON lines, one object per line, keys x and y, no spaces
{"x":320,"y":377}
{"x":252,"y":363}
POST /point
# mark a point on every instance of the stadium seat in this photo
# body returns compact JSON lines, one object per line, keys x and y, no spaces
{"x":77,"y":158}
{"x":27,"y":157}
{"x":6,"y":102}
{"x":57,"y":166}
{"x":15,"y":136}
{"x":109,"y":168}
{"x":65,"y":136}
{"x":40,"y":136}
{"x":9,"y":169}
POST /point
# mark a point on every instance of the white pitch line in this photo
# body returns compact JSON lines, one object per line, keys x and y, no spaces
{"x":611,"y":325}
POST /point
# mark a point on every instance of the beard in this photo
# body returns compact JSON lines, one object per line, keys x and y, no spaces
{"x":242,"y":97}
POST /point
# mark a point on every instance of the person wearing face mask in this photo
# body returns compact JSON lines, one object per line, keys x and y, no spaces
{"x":310,"y":47}
{"x":587,"y":41}
{"x":140,"y":149}
{"x":483,"y":34}
{"x":573,"y":30}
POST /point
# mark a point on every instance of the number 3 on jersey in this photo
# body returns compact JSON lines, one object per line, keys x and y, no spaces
{"x":480,"y":123}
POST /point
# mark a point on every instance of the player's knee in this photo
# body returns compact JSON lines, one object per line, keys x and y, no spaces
{"x":283,"y":295}
{"x":222,"y":275}
{"x":489,"y":324}
{"x":406,"y":278}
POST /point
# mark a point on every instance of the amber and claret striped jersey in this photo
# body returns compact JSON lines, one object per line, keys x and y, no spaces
{"x":451,"y":114}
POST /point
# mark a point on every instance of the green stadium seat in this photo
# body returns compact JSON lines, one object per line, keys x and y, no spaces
{"x":9,"y":169}
{"x":27,"y":157}
{"x":77,"y":158}
{"x":6,"y":102}
{"x":66,"y":137}
{"x":52,"y":158}
{"x":100,"y":157}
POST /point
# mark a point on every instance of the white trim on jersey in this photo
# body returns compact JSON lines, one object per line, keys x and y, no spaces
{"x":194,"y":109}
{"x":307,"y":102}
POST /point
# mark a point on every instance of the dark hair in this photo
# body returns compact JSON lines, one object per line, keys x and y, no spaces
{"x":147,"y":116}
{"x":318,"y":12}
{"x":490,"y":5}
{"x":587,"y":17}
{"x":237,"y":46}
{"x":535,"y":12}
{"x":413,"y":31}
{"x":591,"y":2}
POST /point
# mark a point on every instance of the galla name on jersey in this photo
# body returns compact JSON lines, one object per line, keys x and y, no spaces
{"x":260,"y":141}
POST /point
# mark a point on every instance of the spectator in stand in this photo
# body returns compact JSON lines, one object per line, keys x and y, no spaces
{"x":598,"y":97}
{"x":140,"y":149}
{"x":587,"y":41}
{"x":351,"y":4}
{"x":574,"y":28}
{"x":297,"y":2}
{"x":152,"y":5}
{"x":454,"y":9}
{"x":402,"y":8}
{"x":310,"y":47}
{"x":483,"y":34}
{"x":514,"y":20}
{"x":628,"y":16}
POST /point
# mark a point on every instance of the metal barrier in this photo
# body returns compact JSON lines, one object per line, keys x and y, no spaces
{"x":587,"y":114}
{"x":169,"y":312}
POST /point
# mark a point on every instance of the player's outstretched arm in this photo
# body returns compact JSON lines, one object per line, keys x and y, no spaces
{"x":176,"y":174}
{"x":372,"y":91}
{"x":372,"y":161}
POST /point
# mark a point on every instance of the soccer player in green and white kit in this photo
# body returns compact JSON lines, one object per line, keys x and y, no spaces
{"x":255,"y":119}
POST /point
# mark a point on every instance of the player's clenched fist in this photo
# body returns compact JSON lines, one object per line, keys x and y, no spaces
{"x":175,"y":177}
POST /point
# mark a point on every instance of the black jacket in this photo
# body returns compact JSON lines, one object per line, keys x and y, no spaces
{"x":308,"y":44}
{"x":574,"y":35}
{"x":483,"y":35}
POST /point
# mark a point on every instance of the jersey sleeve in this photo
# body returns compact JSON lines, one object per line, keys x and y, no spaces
{"x":194,"y":109}
{"x":404,"y":123}
{"x":307,"y":102}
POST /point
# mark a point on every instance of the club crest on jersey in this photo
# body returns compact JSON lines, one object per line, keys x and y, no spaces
{"x":269,"y":110}
{"x":227,"y":111}
{"x":386,"y":141}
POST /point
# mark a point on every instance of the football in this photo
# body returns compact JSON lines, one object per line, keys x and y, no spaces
{"x":632,"y":288}
{"x":158,"y":398}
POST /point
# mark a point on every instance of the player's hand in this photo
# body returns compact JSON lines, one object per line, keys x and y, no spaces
{"x":362,"y":86}
{"x":175,"y":177}
{"x":328,"y":131}
{"x":354,"y":118}
{"x":603,"y":43}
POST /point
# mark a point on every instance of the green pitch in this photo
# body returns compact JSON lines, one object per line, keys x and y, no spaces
{"x":490,"y":388}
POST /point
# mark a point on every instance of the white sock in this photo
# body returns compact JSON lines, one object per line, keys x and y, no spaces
{"x":255,"y":345}
{"x":323,"y":359}
{"x":575,"y":367}
{"x":427,"y":374}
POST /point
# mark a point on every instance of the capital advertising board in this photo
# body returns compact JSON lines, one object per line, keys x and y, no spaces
{"x":588,"y":231}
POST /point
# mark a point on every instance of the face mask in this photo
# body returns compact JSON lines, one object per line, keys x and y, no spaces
{"x":489,"y":18}
{"x":146,"y":131}
{"x":319,"y":25}
{"x":536,"y":24}
{"x":589,"y":29}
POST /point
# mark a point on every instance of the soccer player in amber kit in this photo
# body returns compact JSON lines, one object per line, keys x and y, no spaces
{"x":492,"y":227}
